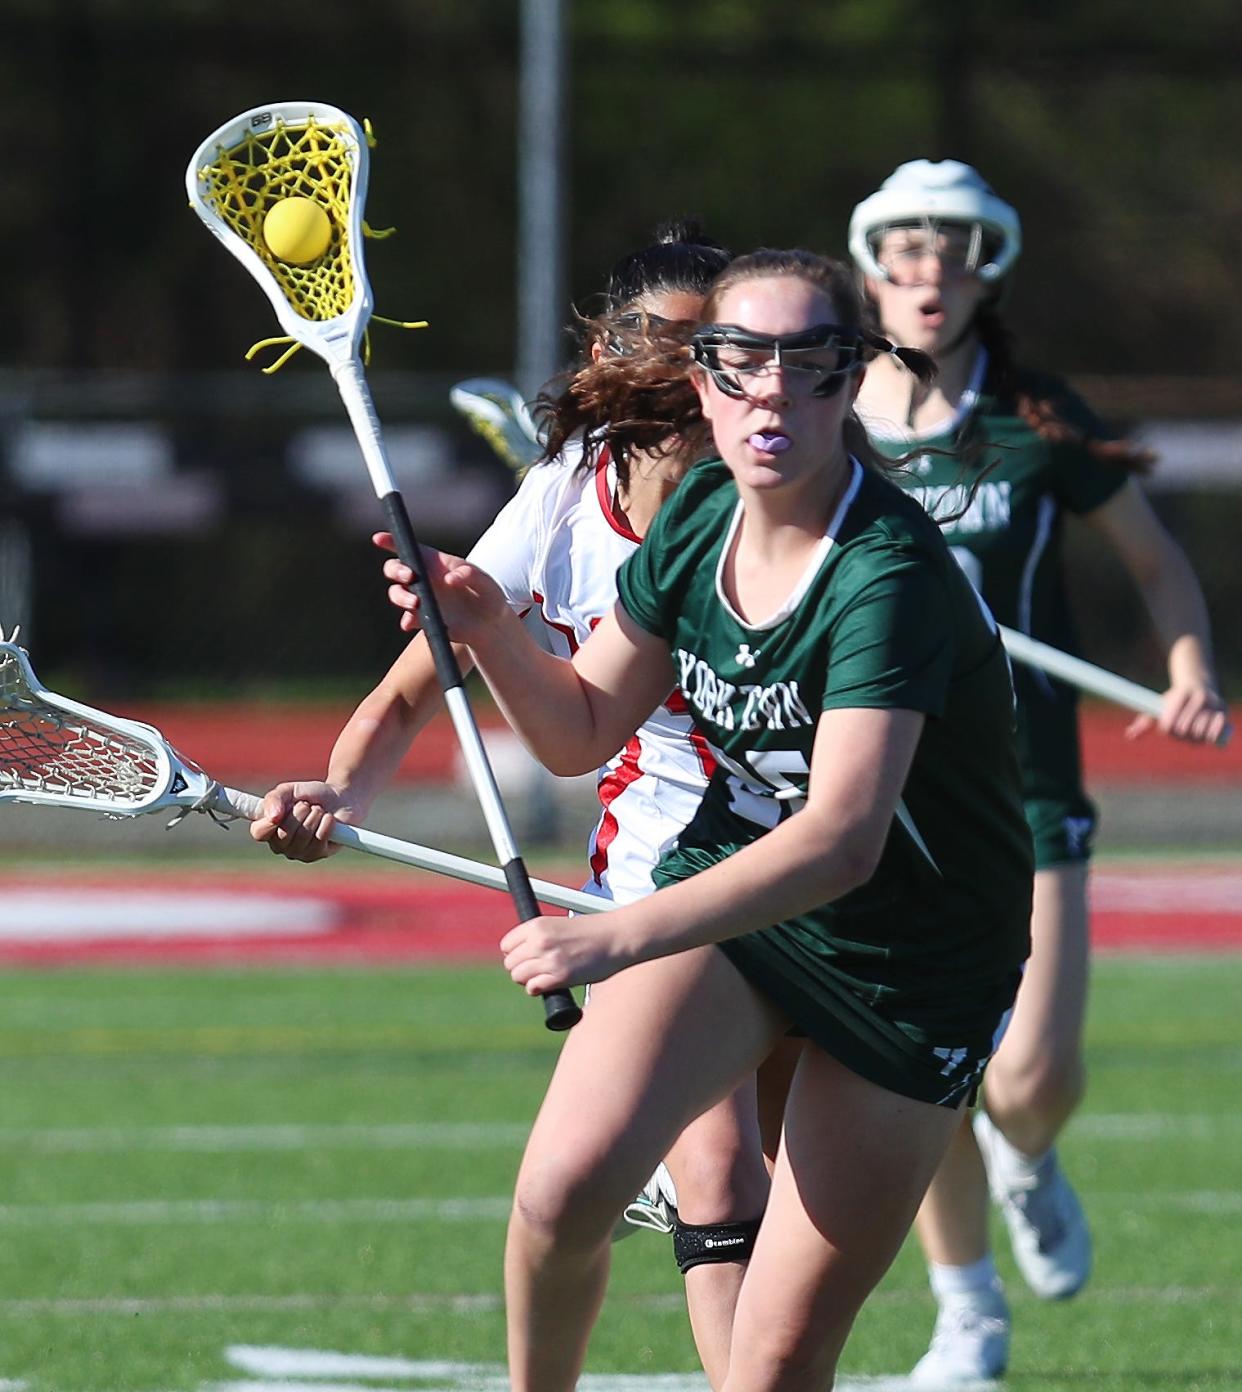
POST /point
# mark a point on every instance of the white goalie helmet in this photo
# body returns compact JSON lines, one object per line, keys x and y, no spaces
{"x":929,"y":192}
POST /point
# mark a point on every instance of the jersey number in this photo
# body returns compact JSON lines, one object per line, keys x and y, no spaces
{"x":757,"y":792}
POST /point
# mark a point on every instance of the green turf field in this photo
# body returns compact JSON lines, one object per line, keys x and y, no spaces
{"x":201,"y":1169}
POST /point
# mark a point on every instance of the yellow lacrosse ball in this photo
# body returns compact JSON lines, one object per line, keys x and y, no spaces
{"x":297,"y":230}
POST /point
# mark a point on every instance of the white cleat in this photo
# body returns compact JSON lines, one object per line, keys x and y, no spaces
{"x":970,"y":1345}
{"x":1047,"y":1227}
{"x":655,"y":1208}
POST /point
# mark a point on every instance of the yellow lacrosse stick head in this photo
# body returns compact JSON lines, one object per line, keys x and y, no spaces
{"x":260,"y":170}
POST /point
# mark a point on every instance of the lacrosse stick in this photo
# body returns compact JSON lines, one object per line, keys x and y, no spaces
{"x":309,"y":151}
{"x":61,"y":753}
{"x":1086,"y":676}
{"x":497,"y":412}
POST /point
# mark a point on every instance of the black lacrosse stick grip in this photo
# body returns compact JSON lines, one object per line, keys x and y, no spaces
{"x":561,"y":1011}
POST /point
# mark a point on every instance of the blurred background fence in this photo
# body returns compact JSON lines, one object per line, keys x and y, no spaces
{"x":173,"y":523}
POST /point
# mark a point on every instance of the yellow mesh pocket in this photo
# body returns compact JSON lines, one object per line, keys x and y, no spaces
{"x":311,"y":161}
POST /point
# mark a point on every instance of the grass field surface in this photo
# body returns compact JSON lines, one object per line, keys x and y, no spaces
{"x":279,"y":1179}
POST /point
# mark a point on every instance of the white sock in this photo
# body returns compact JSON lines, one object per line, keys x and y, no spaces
{"x":974,"y":1279}
{"x":1012,"y":1163}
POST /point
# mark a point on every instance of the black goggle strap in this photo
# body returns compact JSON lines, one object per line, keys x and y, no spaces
{"x":849,"y":343}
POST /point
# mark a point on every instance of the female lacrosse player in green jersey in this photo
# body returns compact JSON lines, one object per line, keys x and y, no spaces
{"x":555,"y":549}
{"x":860,"y":856}
{"x":1002,"y":454}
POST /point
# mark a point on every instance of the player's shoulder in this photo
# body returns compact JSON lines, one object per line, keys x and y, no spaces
{"x":885,"y":516}
{"x":548,"y":487}
{"x":708,"y":484}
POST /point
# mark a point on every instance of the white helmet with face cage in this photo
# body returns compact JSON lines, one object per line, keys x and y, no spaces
{"x":927,"y":193}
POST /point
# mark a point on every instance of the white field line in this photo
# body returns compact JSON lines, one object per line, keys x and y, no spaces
{"x":434,"y":1135}
{"x":484,"y":1209}
{"x":60,"y":914}
{"x":1150,"y":1126}
{"x":284,"y":1385}
{"x":430,"y":1135}
{"x":468,"y":1306}
{"x":276,"y":1366}
{"x":319,"y":1363}
{"x":161,"y":1212}
{"x":1205,"y":890}
{"x":590,"y":1382}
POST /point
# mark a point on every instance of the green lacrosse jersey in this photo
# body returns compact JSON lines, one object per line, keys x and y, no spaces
{"x":1012,"y":489}
{"x":925,"y":956}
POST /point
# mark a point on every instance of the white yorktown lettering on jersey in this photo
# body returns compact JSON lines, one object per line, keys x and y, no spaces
{"x":776,"y":706}
{"x":987,"y":511}
{"x":711,"y":695}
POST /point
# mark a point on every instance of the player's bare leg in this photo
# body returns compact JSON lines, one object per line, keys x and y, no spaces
{"x":1037,"y":1078}
{"x":953,"y":1219}
{"x":717,"y":1167}
{"x":853,"y":1165}
{"x":664,"y":1042}
{"x":1032,"y":1087}
{"x":773,"y":1082}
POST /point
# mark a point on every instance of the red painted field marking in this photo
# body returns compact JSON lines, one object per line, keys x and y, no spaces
{"x":249,"y":742}
{"x":1181,"y":907}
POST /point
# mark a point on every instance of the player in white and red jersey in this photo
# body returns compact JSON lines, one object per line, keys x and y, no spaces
{"x":555,"y":549}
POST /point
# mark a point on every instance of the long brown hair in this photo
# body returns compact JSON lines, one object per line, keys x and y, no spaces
{"x":1035,"y":403}
{"x":681,"y":258}
{"x":643,"y":398}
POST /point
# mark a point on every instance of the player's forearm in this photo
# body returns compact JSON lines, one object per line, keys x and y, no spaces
{"x":1179,"y":615}
{"x":369,"y":749}
{"x":809,"y":860}
{"x":543,"y":699}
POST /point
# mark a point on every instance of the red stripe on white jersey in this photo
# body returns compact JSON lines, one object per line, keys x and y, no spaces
{"x":563,"y":629}
{"x":678,"y":705}
{"x":611,"y":786}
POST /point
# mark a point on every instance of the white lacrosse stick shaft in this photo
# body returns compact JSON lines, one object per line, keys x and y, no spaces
{"x":338,"y":341}
{"x":231,"y":802}
{"x":1085,"y":675}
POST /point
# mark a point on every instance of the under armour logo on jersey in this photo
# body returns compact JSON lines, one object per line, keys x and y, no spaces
{"x":745,"y":657}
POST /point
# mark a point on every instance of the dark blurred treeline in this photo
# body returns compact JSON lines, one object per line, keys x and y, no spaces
{"x":1113,"y":127}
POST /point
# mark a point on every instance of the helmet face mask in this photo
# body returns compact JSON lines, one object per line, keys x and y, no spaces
{"x":940,"y":197}
{"x":900,"y":249}
{"x":822,"y":357}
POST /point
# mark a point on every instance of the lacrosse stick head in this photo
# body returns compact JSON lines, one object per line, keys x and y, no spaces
{"x":306,"y":150}
{"x":61,"y":753}
{"x":497,"y":412}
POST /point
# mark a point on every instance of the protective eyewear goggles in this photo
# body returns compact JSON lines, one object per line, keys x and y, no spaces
{"x":822,"y":358}
{"x":637,"y":322}
{"x":901,"y":249}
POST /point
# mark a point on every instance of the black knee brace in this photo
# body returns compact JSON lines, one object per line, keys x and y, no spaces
{"x":695,"y":1244}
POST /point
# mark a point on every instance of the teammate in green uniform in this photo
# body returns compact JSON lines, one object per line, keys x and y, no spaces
{"x":934,"y":245}
{"x":860,"y":855}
